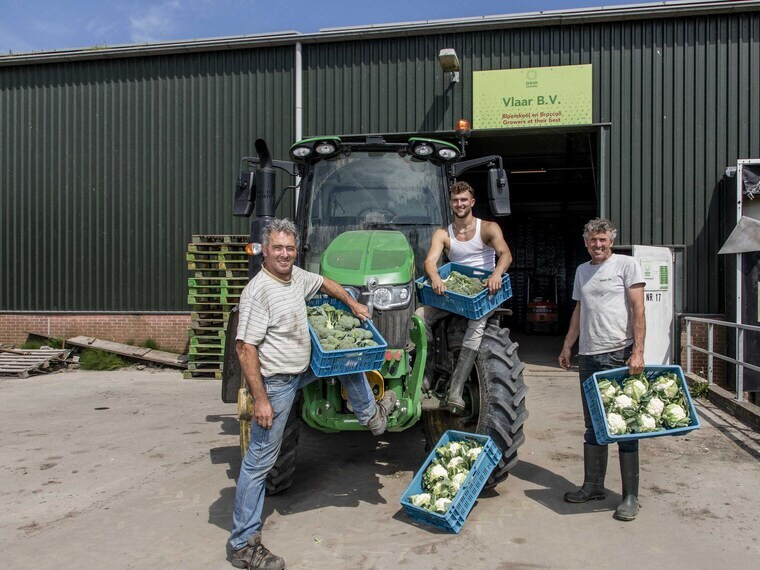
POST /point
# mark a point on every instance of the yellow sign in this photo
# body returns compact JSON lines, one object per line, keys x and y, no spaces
{"x":532,"y":97}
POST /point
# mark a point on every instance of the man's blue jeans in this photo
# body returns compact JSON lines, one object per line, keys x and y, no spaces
{"x":265,"y":444}
{"x":587,"y":365}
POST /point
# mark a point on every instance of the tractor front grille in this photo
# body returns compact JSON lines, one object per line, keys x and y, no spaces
{"x":394,"y":325}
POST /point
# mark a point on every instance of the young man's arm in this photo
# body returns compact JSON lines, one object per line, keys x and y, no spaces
{"x":573,"y":331}
{"x":248,"y":355}
{"x":495,"y":238}
{"x":437,"y":245}
{"x":638,"y":319}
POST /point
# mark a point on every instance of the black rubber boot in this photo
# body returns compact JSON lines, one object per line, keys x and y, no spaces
{"x":461,"y":374}
{"x":594,"y":471}
{"x":629,"y":473}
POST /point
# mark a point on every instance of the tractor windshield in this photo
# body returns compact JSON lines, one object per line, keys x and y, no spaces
{"x":373,"y":190}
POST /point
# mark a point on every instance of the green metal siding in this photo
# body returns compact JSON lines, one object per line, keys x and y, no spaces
{"x":682,"y":96}
{"x":108,"y":167}
{"x":108,"y":164}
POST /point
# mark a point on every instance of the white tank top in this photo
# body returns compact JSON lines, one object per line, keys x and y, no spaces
{"x":473,"y":252}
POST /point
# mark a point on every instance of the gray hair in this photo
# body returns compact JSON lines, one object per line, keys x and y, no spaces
{"x":281,"y":225}
{"x":599,"y":225}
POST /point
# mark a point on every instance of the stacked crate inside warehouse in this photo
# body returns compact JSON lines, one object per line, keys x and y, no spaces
{"x":218,"y":267}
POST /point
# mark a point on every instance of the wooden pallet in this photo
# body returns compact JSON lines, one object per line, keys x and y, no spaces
{"x":220,"y":239}
{"x":218,"y":281}
{"x":215,"y":374}
{"x":15,"y":365}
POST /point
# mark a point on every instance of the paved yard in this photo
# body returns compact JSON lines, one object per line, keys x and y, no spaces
{"x":136,"y":469}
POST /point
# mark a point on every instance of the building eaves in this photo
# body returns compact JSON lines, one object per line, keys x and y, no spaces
{"x":654,"y":10}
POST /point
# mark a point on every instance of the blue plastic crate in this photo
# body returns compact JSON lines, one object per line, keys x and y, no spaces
{"x":474,"y":307}
{"x":453,"y":519}
{"x":596,"y":408}
{"x":350,"y":360}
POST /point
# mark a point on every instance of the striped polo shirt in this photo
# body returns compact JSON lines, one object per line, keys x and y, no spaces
{"x":273,"y":318}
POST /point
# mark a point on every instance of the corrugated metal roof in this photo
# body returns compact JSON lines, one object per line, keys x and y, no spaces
{"x":680,"y":8}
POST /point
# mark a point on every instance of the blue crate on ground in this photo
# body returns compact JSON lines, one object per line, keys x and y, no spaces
{"x":347,"y":361}
{"x":453,"y":519}
{"x":474,"y":307}
{"x":596,"y":408}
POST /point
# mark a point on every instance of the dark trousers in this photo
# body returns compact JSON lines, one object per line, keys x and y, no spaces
{"x":587,"y":365}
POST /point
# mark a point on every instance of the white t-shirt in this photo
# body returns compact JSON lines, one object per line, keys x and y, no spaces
{"x":273,"y":318}
{"x":605,"y":324}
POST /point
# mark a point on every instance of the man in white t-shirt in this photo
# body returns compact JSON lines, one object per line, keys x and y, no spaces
{"x":610,"y":326}
{"x":274,"y":349}
{"x":467,"y":241}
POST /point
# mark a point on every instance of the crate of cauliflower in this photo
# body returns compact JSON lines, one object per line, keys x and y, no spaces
{"x":466,"y":292}
{"x":444,"y":490}
{"x":341,"y":343}
{"x":653,"y":403}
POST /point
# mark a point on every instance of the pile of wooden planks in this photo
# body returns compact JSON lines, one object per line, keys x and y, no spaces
{"x":19,"y":363}
{"x":219,"y":271}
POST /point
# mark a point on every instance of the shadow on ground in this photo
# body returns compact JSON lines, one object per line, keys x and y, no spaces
{"x":554,"y":487}
{"x":332,"y":470}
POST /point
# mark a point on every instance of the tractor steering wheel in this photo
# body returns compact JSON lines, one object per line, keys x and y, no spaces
{"x":375,"y":214}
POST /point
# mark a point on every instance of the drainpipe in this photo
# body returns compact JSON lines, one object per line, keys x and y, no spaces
{"x":299,"y":109}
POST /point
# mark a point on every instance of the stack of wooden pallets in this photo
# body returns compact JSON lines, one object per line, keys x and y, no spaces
{"x":218,"y":266}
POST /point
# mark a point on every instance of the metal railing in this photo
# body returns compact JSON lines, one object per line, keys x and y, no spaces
{"x":711,"y":354}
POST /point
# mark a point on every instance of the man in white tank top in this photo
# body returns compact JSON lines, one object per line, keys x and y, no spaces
{"x":469,"y":241}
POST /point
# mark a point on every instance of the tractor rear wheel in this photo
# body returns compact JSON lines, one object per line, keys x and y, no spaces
{"x":280,"y":477}
{"x":495,"y":401}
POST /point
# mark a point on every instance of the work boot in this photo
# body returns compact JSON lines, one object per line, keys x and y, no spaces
{"x":461,"y":374}
{"x":629,"y":473}
{"x":384,"y":407}
{"x":594,"y":470}
{"x":427,"y":379}
{"x":255,"y":555}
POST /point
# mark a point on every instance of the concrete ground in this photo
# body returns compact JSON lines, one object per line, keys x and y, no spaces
{"x":136,"y":469}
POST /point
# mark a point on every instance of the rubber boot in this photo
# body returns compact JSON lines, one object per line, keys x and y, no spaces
{"x":461,"y":374}
{"x":629,"y":473}
{"x":594,"y":470}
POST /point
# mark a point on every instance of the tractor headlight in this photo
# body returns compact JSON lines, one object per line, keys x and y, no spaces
{"x":315,"y":148}
{"x":325,"y":148}
{"x":353,"y":291}
{"x":397,"y":297}
{"x":301,"y":152}
{"x":423,"y":150}
{"x":432,"y":149}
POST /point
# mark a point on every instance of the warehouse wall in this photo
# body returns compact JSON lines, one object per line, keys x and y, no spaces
{"x":107,"y":167}
{"x":682,"y":96}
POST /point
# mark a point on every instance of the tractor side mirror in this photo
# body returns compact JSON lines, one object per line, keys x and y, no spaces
{"x":498,"y":192}
{"x":245,"y":194}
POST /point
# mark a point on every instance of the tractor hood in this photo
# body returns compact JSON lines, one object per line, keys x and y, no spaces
{"x":354,"y":257}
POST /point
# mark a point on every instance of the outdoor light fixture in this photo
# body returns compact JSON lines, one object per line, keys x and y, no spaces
{"x":450,"y":63}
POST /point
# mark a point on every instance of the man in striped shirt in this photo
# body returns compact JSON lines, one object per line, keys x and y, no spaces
{"x":274,"y":349}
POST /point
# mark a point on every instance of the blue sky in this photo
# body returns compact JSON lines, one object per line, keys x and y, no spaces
{"x":45,"y":25}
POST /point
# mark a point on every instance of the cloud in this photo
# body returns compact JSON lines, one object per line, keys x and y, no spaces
{"x":155,"y":22}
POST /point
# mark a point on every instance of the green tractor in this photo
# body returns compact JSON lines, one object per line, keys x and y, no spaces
{"x":366,"y":210}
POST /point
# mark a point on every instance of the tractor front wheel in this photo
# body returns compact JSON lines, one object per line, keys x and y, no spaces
{"x":494,"y":399}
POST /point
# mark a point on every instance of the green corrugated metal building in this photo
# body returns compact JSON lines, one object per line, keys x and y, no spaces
{"x":110,"y":159}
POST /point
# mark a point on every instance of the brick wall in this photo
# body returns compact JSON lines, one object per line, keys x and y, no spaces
{"x":169,"y":331}
{"x":699,"y":339}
